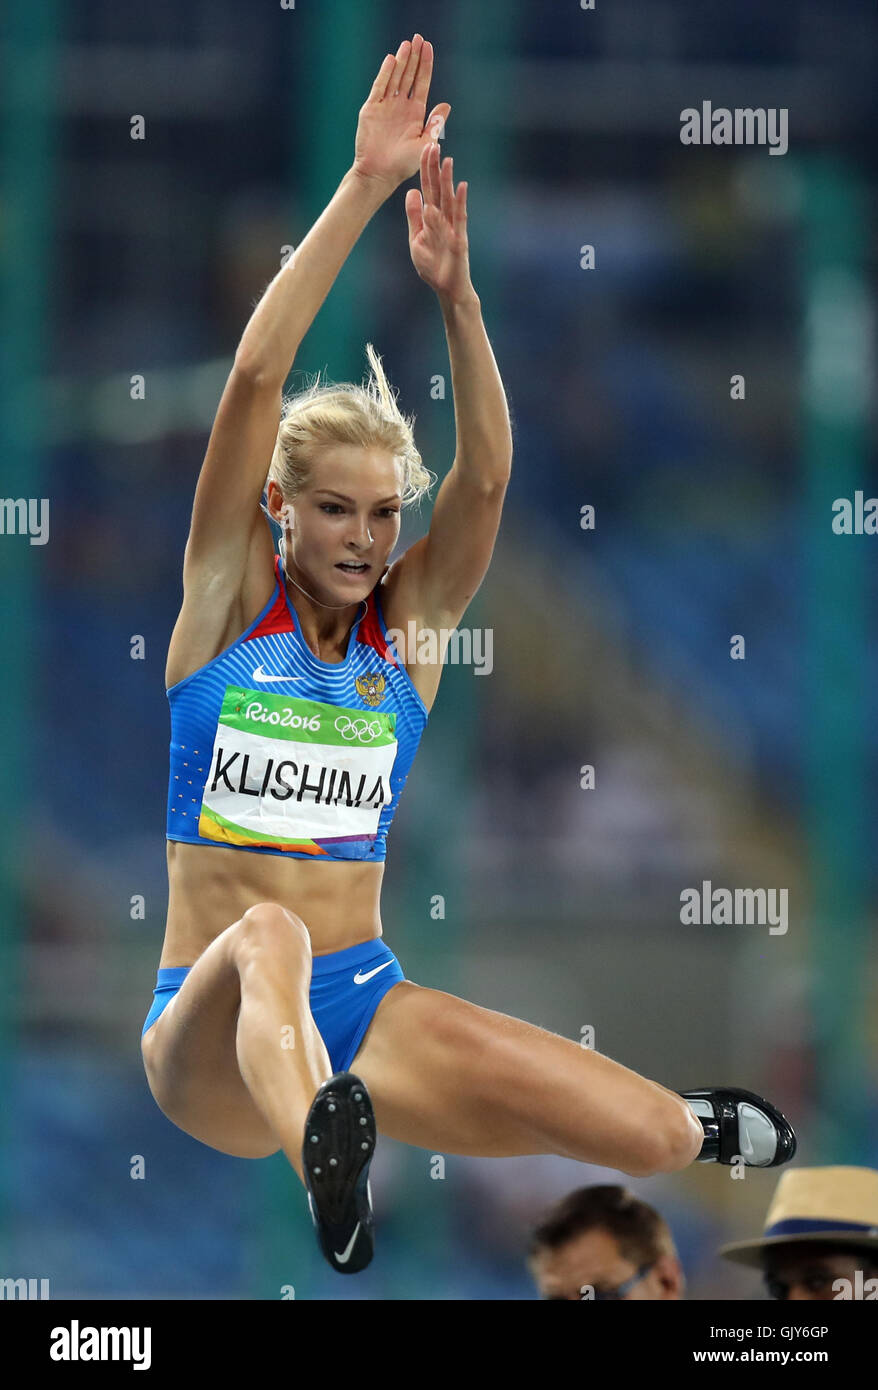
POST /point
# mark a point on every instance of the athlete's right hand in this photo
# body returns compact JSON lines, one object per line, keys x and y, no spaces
{"x":392,"y":129}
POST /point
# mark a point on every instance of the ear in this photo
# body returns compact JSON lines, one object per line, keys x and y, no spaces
{"x":671,"y":1276}
{"x":273,"y":495}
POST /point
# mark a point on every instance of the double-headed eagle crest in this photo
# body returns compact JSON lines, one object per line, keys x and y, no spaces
{"x":372,"y":687}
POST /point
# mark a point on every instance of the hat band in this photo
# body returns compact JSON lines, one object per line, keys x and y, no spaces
{"x":800,"y":1226}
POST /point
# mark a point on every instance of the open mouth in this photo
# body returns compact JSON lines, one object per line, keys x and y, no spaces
{"x":353,"y":566}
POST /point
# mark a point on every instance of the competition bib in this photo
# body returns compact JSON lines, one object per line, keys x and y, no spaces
{"x":292,"y":773}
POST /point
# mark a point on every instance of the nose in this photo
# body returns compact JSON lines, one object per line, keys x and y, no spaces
{"x":361,"y":534}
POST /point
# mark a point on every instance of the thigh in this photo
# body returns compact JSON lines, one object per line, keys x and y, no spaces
{"x":191,"y":1061}
{"x":454,"y":1077}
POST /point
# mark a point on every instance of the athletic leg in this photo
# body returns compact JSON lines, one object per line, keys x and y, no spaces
{"x":236,"y":1059}
{"x":450,"y":1076}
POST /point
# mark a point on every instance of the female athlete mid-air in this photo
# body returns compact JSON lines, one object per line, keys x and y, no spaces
{"x":280,"y":1018}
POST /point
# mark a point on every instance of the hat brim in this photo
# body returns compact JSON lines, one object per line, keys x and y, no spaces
{"x":750,"y":1252}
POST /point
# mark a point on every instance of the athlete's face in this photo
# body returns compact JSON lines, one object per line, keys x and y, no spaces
{"x":343,"y":525}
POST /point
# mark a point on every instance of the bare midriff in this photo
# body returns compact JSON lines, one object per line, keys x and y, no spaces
{"x":210,"y":888}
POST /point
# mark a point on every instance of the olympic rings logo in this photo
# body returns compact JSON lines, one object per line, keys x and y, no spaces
{"x":362,"y":729}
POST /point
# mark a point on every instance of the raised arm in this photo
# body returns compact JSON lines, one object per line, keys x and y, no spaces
{"x":437,"y":576}
{"x":391,"y":132}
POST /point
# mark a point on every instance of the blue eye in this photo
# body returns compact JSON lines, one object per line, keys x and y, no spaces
{"x":330,"y":507}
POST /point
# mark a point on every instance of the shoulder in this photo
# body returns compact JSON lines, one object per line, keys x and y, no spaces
{"x":400,"y":623}
{"x":402,"y":594}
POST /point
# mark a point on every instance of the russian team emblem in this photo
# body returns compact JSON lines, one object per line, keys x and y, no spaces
{"x":372,"y":688}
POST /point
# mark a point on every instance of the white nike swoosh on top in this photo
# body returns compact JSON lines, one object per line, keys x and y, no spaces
{"x":361,"y":979}
{"x":346,"y":1253}
{"x":260,"y":675}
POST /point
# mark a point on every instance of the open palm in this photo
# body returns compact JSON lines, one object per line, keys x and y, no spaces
{"x":437,"y":225}
{"x":392,"y":130}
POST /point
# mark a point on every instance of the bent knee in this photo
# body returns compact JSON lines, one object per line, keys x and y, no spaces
{"x":671,"y":1139}
{"x":270,"y":927}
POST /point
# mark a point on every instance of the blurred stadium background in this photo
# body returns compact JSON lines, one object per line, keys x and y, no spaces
{"x":610,"y":647}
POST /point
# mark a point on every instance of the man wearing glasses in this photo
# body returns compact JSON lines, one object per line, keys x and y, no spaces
{"x":820,"y":1241}
{"x":603,"y":1243}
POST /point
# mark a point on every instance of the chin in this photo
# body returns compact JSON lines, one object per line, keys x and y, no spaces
{"x":355,"y":589}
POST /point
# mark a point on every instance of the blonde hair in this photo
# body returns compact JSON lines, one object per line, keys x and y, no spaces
{"x":366,"y":415}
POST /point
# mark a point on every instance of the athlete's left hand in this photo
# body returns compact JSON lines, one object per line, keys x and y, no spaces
{"x":437,"y":226}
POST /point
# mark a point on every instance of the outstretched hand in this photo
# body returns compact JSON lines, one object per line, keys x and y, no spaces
{"x":437,"y":226}
{"x":392,"y":130}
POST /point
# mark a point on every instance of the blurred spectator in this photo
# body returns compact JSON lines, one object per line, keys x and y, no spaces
{"x":602,"y":1242}
{"x":820,"y":1240}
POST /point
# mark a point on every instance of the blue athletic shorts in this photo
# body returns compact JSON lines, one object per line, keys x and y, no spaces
{"x":346,"y":989}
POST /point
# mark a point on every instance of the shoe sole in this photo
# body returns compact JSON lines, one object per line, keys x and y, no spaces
{"x":337,"y":1149}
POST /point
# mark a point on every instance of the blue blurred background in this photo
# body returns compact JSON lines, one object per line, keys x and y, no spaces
{"x":611,"y":646}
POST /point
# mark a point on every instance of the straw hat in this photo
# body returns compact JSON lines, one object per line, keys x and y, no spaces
{"x":836,"y":1205}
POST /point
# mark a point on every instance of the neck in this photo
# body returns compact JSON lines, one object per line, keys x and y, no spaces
{"x":322,"y":624}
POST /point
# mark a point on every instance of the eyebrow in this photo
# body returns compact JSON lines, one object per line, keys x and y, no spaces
{"x":329,"y":492}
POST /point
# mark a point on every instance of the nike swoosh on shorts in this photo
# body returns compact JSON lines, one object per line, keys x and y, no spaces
{"x":361,"y":979}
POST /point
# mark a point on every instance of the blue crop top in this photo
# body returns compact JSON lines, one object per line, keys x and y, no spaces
{"x":277,"y":752}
